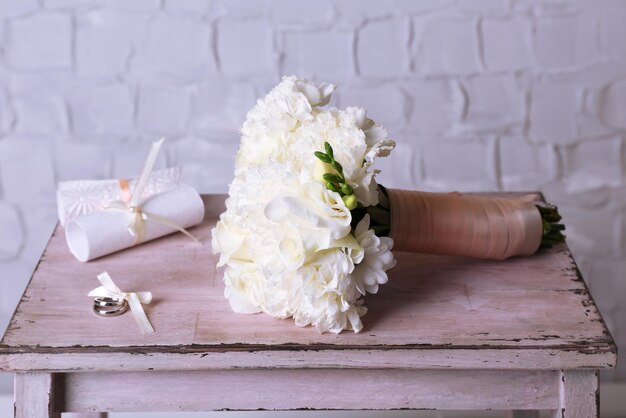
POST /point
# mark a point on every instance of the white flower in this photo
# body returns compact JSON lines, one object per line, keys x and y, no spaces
{"x":365,"y":186}
{"x":331,"y":298}
{"x":377,"y":258}
{"x":291,"y":248}
{"x":286,"y":240}
{"x":227,"y":242}
{"x":316,"y":95}
{"x":314,"y":208}
{"x":241,"y":283}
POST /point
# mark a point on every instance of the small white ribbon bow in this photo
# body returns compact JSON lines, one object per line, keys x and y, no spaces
{"x":136,"y":226}
{"x":134,"y":299}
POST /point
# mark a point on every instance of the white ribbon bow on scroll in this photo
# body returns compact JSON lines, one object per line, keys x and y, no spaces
{"x":134,"y":299}
{"x":137,"y":226}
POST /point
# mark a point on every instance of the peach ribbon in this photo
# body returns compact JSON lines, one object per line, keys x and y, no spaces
{"x":130,"y":202}
{"x":134,"y":299}
{"x":124,"y":190}
{"x":464,"y":225}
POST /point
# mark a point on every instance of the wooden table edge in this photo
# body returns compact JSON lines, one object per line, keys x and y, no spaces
{"x":210,"y":358}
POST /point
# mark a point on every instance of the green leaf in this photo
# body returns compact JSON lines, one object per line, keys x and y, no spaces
{"x":337,"y":167}
{"x":329,"y":149}
{"x":552,"y":230}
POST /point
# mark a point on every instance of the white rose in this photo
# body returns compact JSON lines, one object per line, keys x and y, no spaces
{"x":291,"y":248}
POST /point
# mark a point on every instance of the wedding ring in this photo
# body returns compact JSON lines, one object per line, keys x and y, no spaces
{"x":109,"y":314}
{"x":109,"y":307}
{"x":104,"y":301}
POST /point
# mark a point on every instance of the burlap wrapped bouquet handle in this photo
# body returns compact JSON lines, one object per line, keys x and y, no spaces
{"x":464,"y":225}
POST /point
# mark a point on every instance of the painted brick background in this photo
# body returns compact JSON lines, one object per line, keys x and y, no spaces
{"x":479,"y":94}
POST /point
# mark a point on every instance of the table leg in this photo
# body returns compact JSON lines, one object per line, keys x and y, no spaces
{"x":580,"y":396}
{"x":34,"y":395}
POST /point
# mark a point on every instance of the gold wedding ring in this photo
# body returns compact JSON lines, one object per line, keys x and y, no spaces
{"x":109,"y":307}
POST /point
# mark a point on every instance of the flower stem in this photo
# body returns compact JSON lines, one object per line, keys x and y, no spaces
{"x":380,"y":215}
{"x":552,"y":229}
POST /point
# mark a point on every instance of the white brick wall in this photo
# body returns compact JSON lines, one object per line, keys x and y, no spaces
{"x":480,"y":95}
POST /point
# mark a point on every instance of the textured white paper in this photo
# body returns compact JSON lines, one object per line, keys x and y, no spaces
{"x":106,"y":231}
{"x":82,"y":197}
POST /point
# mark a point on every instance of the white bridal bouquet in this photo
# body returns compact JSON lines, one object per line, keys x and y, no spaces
{"x":307,"y":231}
{"x":288,"y":238}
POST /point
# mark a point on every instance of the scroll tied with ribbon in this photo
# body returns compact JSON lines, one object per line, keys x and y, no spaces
{"x":76,"y":198}
{"x":102,"y":217}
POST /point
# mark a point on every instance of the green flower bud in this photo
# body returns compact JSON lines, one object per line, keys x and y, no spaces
{"x":329,"y":149}
{"x":332,"y":187}
{"x":347,"y":189}
{"x":331,"y":177}
{"x":323,"y":157}
{"x":350,"y":201}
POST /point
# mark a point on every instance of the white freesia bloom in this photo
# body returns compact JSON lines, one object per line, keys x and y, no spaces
{"x":314,"y":207}
{"x":285,"y":240}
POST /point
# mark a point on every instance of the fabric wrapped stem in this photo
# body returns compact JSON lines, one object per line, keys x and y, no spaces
{"x":464,"y":225}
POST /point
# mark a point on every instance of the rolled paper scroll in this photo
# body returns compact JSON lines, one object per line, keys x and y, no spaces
{"x":82,"y":197}
{"x":105,"y":232}
{"x":464,"y":225}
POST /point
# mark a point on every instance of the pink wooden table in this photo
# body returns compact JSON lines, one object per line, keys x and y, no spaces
{"x":444,"y":333}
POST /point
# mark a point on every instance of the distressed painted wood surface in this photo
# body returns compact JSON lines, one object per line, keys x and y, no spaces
{"x":435,"y":312}
{"x":207,"y":358}
{"x":579,"y":394}
{"x":310,"y":389}
{"x":35,"y":396}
